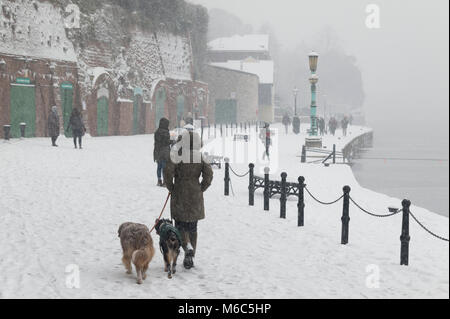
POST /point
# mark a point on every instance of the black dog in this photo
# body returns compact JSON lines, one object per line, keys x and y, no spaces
{"x":169,"y":243}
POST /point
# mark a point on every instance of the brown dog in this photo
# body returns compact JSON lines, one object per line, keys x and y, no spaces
{"x":137,"y":245}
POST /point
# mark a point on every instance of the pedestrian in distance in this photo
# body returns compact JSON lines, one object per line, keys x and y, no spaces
{"x":286,"y":122}
{"x":181,"y":176}
{"x":78,"y":128}
{"x":344,"y":123}
{"x":333,"y":126}
{"x":266,"y":138}
{"x":161,"y":152}
{"x":53,"y":125}
{"x":322,"y":126}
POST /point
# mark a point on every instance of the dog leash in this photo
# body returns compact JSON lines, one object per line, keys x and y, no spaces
{"x":162,"y":212}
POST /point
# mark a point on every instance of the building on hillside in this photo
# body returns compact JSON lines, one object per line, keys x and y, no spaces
{"x":233,"y":93}
{"x":38,"y":67}
{"x":250,"y":54}
{"x":124,"y":82}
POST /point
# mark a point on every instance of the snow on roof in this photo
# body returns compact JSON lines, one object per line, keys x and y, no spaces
{"x":250,"y":42}
{"x":264,"y":69}
{"x":34,"y":31}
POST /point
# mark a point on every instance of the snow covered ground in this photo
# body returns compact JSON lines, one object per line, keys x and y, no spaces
{"x":60,"y":209}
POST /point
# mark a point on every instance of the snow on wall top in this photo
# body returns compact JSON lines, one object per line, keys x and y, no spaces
{"x":264,"y":69}
{"x":250,"y":42}
{"x":35,"y":29}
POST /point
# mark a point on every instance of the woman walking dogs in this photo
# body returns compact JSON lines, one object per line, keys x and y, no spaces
{"x":182,"y":180}
{"x":53,"y":125}
{"x":78,"y":128}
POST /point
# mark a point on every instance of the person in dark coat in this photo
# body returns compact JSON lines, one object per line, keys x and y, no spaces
{"x":182,"y":175}
{"x":345,"y":122}
{"x":287,"y":122}
{"x":333,"y":126}
{"x":77,"y":126}
{"x":161,"y":153}
{"x":53,"y":125}
{"x":322,"y":126}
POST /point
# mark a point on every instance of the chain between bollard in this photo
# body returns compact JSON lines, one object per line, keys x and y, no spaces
{"x":239,"y":175}
{"x":321,"y":202}
{"x":372,"y":214}
{"x":427,"y":230}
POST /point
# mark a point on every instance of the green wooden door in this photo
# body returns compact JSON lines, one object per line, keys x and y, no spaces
{"x":23,"y":109}
{"x":67,"y":105}
{"x":226,"y":111}
{"x":160,"y":105}
{"x":180,"y":109}
{"x":102,"y":116}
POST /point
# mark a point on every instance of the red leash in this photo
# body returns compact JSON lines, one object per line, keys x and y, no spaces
{"x":162,"y":212}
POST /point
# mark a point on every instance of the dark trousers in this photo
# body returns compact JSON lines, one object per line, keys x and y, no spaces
{"x":54,"y":138}
{"x":160,"y":169}
{"x":80,"y":141}
{"x":188,"y":231}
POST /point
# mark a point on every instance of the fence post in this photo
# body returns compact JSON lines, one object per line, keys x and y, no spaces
{"x":301,"y":201}
{"x":346,"y":216}
{"x":266,"y":189}
{"x":251,"y":185}
{"x":304,"y":154}
{"x":334,"y":153}
{"x":283,"y":198}
{"x":6,"y":131}
{"x":405,"y":238}
{"x":23,"y":127}
{"x":227,"y":177}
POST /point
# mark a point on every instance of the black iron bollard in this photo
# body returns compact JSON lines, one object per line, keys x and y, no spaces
{"x":266,"y":189}
{"x":221,"y":130}
{"x":405,"y":238}
{"x":346,"y":216}
{"x":6,"y":131}
{"x":334,"y":153}
{"x":227,"y":177}
{"x":301,"y":201}
{"x":251,"y":185}
{"x":23,"y":127}
{"x":283,"y":198}
{"x":304,"y":154}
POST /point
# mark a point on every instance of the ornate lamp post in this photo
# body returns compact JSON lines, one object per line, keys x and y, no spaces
{"x":296,"y":121}
{"x":314,"y":140}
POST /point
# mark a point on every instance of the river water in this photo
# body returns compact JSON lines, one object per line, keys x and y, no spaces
{"x":425,"y":182}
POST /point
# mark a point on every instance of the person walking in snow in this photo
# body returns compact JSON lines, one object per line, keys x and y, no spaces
{"x":344,"y":123}
{"x":287,"y":122}
{"x":53,"y":125}
{"x":333,"y":126}
{"x":266,"y":138}
{"x":77,"y":126}
{"x":322,"y":126}
{"x":182,"y":180}
{"x":161,"y":152}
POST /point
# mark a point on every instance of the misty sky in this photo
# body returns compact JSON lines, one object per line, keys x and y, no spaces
{"x":404,"y":63}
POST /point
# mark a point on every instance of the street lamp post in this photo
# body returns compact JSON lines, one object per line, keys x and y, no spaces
{"x":296,"y":121}
{"x":314,"y":140}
